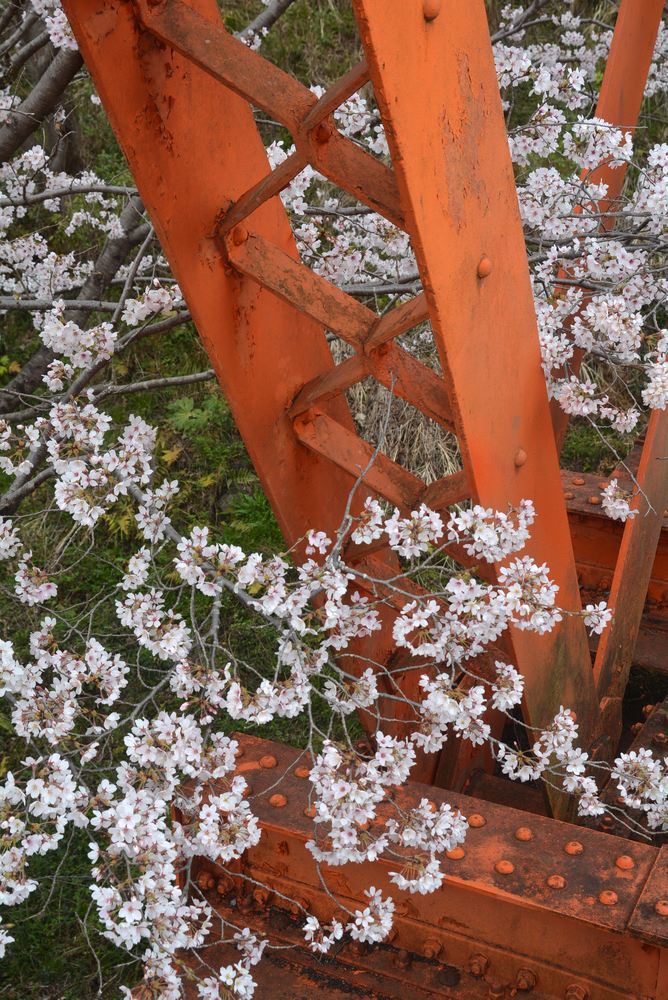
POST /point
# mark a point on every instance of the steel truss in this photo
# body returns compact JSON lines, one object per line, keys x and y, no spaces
{"x":183,"y":113}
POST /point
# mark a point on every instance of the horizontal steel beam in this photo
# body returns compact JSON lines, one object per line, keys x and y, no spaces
{"x":576,"y":908}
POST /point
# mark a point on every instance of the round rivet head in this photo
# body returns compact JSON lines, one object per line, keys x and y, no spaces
{"x":573,"y":847}
{"x":268,"y":761}
{"x":323,"y":133}
{"x":523,"y":833}
{"x":431,"y":9}
{"x":278,"y":801}
{"x":309,"y":811}
{"x":625,"y":862}
{"x":568,"y":495}
{"x":484,"y":267}
{"x":578,"y":481}
{"x":239,"y":235}
{"x":520,"y":458}
{"x":594,"y":501}
{"x":504,"y":867}
{"x":607,"y":897}
{"x":476,"y":820}
{"x":456,"y":854}
{"x":302,"y":772}
{"x":556,"y":881}
{"x":661,"y":907}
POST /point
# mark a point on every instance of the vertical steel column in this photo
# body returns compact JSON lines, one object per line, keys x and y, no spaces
{"x":435,"y":82}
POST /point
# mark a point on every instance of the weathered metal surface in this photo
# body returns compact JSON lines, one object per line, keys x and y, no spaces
{"x":204,"y":41}
{"x":446,"y":133}
{"x":524,"y":891}
{"x":634,"y":565}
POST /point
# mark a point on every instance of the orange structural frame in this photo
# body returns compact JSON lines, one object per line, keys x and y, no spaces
{"x":183,"y":114}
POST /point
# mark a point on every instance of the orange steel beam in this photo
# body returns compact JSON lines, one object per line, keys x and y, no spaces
{"x":446,"y":133}
{"x":583,"y":911}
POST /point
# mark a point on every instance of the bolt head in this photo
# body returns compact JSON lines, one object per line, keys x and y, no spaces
{"x":576,"y":992}
{"x":573,"y":847}
{"x":526,"y":980}
{"x":476,"y":820}
{"x":524,"y":833}
{"x":504,"y":867}
{"x":431,"y":948}
{"x":268,"y":761}
{"x":661,"y":907}
{"x":478,"y":965}
{"x":608,"y":897}
{"x":278,"y":801}
{"x":484,"y":267}
{"x":456,"y":854}
{"x":431,"y":9}
{"x":302,"y":772}
{"x":323,"y":133}
{"x":556,"y":881}
{"x":520,"y":458}
{"x":625,"y":862}
{"x":239,"y":235}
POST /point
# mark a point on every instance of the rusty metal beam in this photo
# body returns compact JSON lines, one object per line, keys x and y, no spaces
{"x":578,"y":908}
{"x":205,"y":43}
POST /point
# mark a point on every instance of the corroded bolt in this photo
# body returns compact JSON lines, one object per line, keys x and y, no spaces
{"x":520,"y":457}
{"x":573,"y":847}
{"x":456,"y":854}
{"x":636,"y":727}
{"x":608,"y":897}
{"x":431,"y":948}
{"x":504,"y":867}
{"x":224,"y":885}
{"x":205,"y":880}
{"x":478,"y":965}
{"x":278,"y":801}
{"x":575,"y":992}
{"x":268,"y":761}
{"x":606,"y":583}
{"x":578,"y":481}
{"x":607,"y":822}
{"x":262,"y":897}
{"x":402,"y":958}
{"x":568,"y":496}
{"x":477,"y":820}
{"x":239,"y":752}
{"x":526,"y":980}
{"x":661,"y":907}
{"x":625,"y":862}
{"x":323,"y":133}
{"x":302,"y":772}
{"x":239,"y":235}
{"x":594,"y":501}
{"x":647,"y":710}
{"x":524,"y":833}
{"x":556,"y":881}
{"x":484,"y":267}
{"x":602,"y":486}
{"x":660,"y":739}
{"x":431,"y":9}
